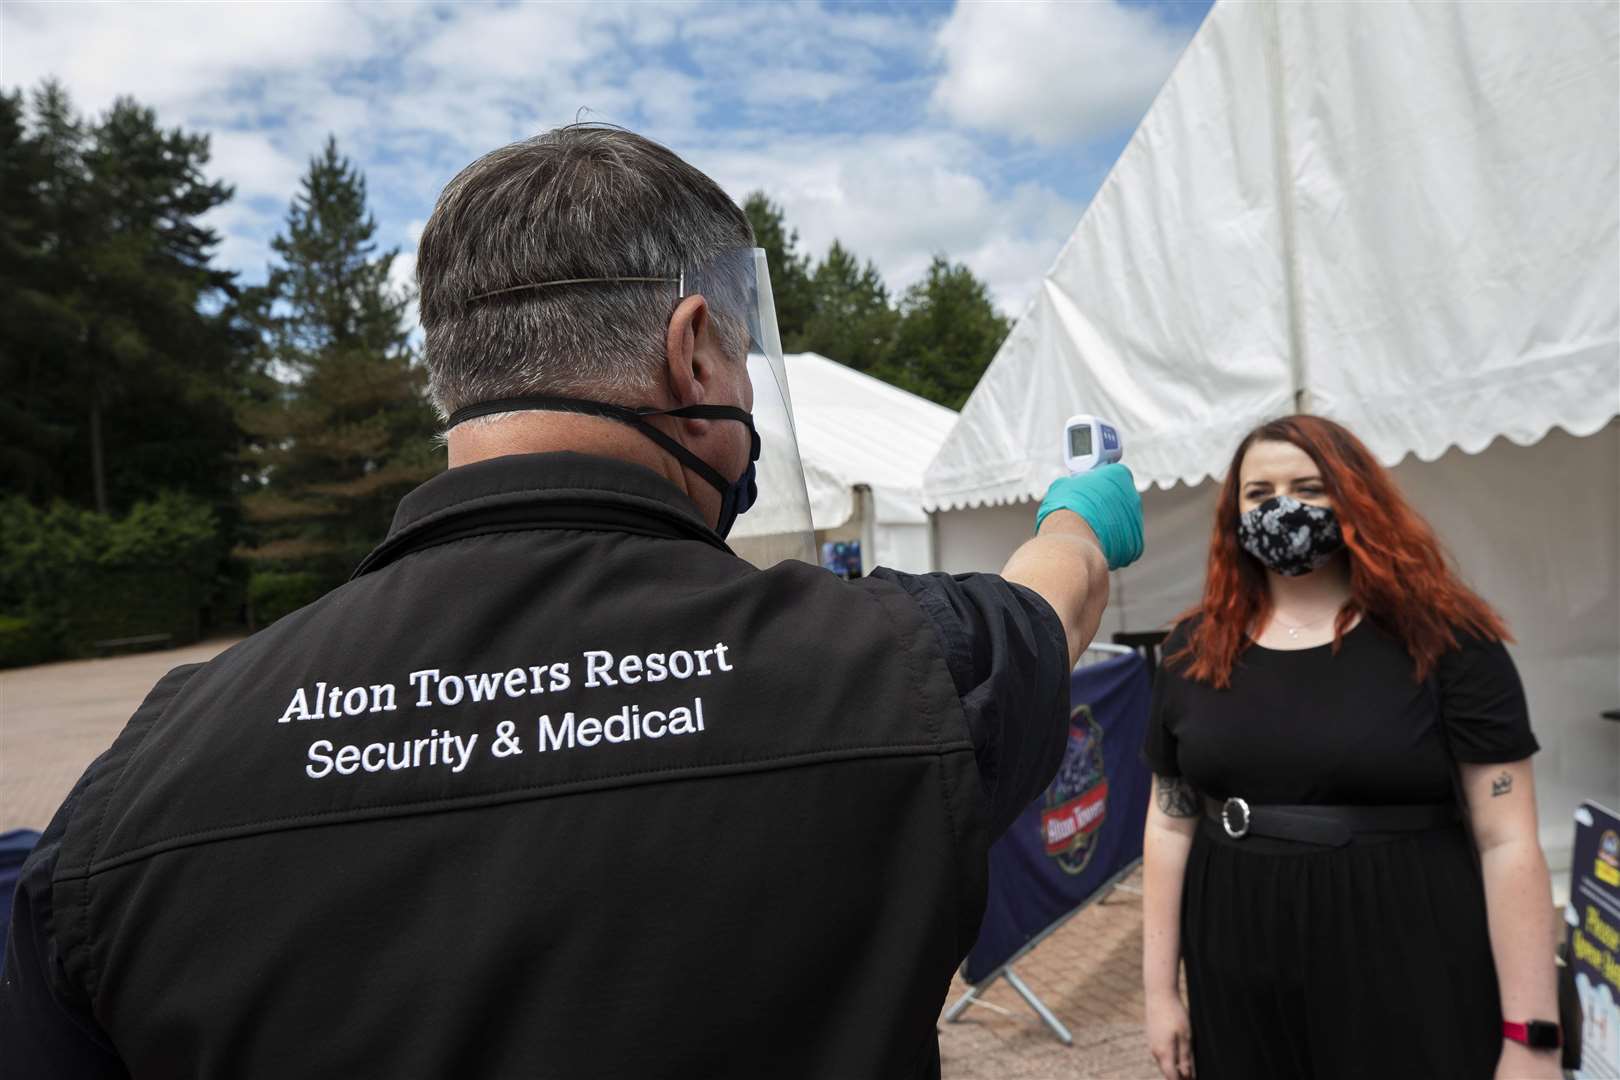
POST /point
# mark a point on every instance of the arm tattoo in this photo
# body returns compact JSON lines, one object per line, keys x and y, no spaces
{"x":1177,"y":798}
{"x":1502,"y":784}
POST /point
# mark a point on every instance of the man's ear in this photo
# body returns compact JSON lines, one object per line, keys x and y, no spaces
{"x":683,"y":366}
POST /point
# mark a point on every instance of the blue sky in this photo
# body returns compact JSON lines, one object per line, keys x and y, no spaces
{"x":976,"y":130}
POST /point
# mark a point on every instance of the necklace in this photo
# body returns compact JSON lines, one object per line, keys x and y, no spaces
{"x":1295,"y":628}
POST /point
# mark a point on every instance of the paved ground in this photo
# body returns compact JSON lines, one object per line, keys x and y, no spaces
{"x":1090,"y":974}
{"x":56,"y":718}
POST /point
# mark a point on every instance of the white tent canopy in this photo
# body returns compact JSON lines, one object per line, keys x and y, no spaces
{"x":1400,"y":216}
{"x":856,"y":432}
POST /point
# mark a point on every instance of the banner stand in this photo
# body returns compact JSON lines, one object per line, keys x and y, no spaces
{"x":1074,"y":844}
{"x":1005,"y":971}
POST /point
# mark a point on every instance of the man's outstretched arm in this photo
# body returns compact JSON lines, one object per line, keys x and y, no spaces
{"x":1088,"y":524}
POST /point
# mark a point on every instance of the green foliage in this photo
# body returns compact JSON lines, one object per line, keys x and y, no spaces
{"x":72,"y":577}
{"x":131,"y":368}
{"x":853,"y":321}
{"x":274,"y":593}
{"x":949,"y":332}
{"x":339,"y":424}
{"x":21,"y":643}
{"x":935,"y":343}
{"x":45,"y":554}
{"x":791,"y":286}
{"x":33,"y":445}
{"x":119,"y":341}
{"x":166,"y":532}
{"x":157,"y":415}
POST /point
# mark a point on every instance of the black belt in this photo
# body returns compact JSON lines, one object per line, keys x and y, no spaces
{"x":1332,"y":826}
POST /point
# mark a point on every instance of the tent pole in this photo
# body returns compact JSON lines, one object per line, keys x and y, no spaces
{"x":1298,"y":370}
{"x":866,"y":511}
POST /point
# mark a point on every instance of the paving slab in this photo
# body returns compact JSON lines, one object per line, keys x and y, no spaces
{"x":55,"y":719}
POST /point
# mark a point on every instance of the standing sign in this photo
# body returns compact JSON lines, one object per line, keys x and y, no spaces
{"x":1594,"y":900}
{"x":1085,"y":830}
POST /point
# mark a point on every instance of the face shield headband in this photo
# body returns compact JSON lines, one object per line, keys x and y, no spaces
{"x":730,"y":282}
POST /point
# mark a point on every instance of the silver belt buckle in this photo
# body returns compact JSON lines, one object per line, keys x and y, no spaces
{"x":1242,"y":807}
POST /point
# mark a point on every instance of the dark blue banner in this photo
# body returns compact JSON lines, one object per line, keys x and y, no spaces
{"x":1085,"y":829}
{"x":1594,"y":898}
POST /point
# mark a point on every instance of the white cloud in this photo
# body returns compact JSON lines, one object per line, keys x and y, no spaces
{"x":165,"y":54}
{"x":1052,"y":72}
{"x":244,"y":232}
{"x":524,"y":43}
{"x":666,"y":98}
{"x":796,"y":53}
{"x":822,"y":107}
{"x":402,"y":278}
{"x":253,"y":76}
{"x":899,"y":201}
{"x":402,"y":274}
{"x":482,"y":76}
{"x":253,"y":162}
{"x":784,"y":85}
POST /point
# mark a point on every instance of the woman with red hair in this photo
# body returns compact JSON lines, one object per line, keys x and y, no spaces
{"x":1342,"y":844}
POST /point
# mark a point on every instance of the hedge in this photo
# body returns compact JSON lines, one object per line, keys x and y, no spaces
{"x":70,"y":578}
{"x":274,"y":593}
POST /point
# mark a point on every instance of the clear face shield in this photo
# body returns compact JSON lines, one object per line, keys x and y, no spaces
{"x":737,"y":287}
{"x":765,"y":512}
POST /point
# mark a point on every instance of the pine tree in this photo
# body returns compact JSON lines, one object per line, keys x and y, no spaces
{"x":340,"y":424}
{"x":936,"y":342}
{"x":166,"y":321}
{"x":852,"y":320}
{"x":34,"y":446}
{"x":115,"y":331}
{"x":949,"y":332}
{"x":790,"y":271}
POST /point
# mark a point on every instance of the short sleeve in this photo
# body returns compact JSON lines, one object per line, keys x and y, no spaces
{"x":1009,"y":658}
{"x":1482,"y":703}
{"x":1160,"y":748}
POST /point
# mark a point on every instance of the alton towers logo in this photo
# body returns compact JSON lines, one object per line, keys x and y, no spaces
{"x":1607,"y":865}
{"x":1078,"y":798}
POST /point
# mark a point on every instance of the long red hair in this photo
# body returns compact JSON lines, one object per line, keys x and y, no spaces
{"x":1400,"y":576}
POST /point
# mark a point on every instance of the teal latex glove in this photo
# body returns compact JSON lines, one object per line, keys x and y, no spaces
{"x":1108,"y":501}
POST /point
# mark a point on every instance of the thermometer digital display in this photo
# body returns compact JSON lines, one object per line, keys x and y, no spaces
{"x":1090,"y":442}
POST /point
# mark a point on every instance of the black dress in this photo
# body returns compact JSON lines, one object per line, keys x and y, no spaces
{"x":1371,"y":960}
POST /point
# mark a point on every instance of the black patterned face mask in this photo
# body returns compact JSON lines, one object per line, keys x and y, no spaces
{"x":1289,"y":536}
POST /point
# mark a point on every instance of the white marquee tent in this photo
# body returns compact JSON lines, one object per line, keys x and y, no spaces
{"x":1405,"y":217}
{"x":864,"y":445}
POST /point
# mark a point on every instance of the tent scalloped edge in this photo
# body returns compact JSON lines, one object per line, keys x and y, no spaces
{"x":1017,"y":491}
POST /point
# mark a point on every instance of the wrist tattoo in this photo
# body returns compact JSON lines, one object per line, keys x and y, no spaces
{"x":1502,"y":784}
{"x":1177,"y":798}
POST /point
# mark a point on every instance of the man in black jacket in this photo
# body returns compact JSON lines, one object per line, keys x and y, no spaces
{"x":558,"y":785}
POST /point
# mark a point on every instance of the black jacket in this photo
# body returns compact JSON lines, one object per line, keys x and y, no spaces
{"x":556,"y":786}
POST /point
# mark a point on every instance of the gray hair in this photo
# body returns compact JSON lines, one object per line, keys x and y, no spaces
{"x":583,"y":201}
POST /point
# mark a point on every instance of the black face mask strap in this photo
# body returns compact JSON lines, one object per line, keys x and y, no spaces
{"x":718,"y":412}
{"x":635,"y":418}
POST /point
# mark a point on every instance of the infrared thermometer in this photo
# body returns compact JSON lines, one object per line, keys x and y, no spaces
{"x":1090,"y":442}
